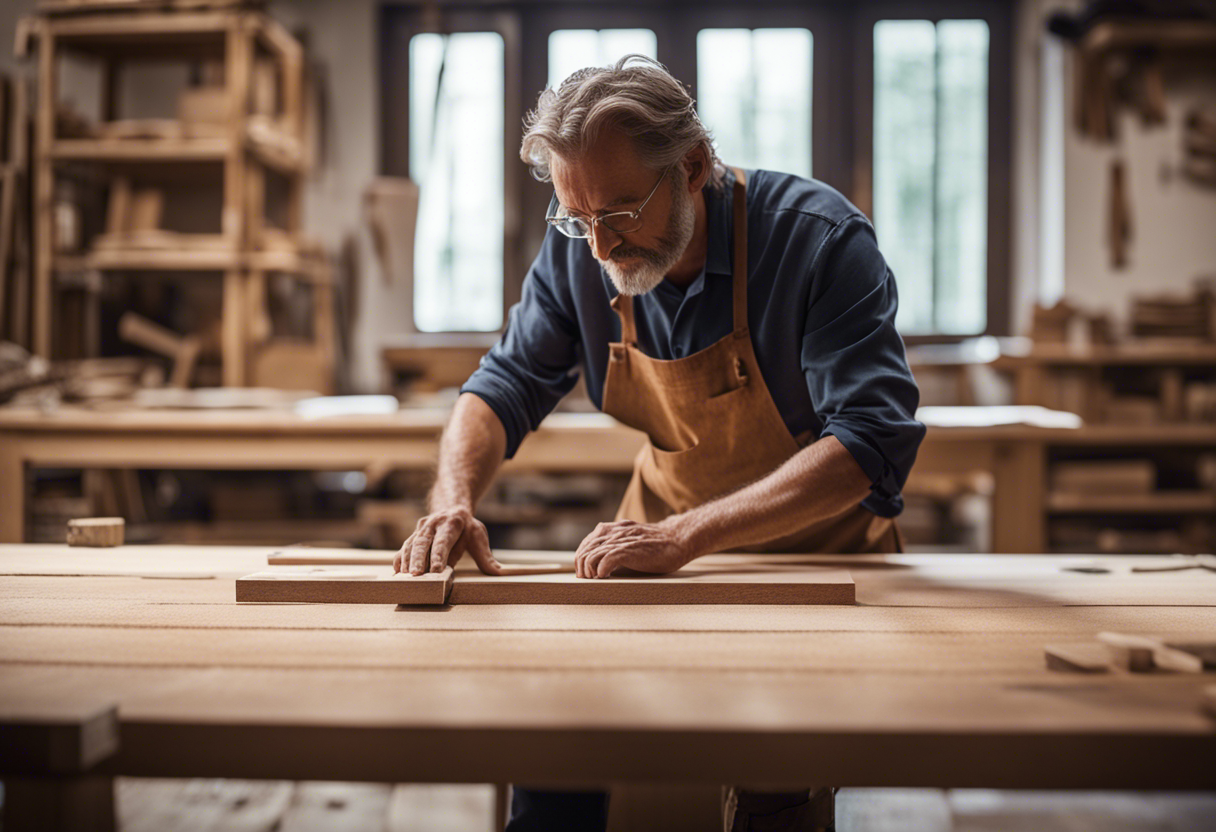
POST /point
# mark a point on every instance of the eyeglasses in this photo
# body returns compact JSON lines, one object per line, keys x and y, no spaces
{"x":620,"y":222}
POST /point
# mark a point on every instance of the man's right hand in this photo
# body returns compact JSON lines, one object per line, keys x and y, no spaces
{"x":441,"y":539}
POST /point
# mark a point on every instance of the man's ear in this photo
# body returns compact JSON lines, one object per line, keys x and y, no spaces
{"x":696,"y":162}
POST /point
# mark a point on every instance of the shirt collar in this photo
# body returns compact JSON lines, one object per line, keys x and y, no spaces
{"x":718,"y":204}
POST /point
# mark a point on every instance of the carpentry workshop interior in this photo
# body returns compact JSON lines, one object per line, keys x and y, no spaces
{"x":480,"y":415}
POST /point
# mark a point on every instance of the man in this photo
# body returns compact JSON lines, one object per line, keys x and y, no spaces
{"x":743,"y":320}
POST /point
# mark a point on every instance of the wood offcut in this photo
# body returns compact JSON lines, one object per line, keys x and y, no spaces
{"x":318,"y":585}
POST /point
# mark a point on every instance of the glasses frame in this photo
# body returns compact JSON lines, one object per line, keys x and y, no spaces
{"x":558,"y":221}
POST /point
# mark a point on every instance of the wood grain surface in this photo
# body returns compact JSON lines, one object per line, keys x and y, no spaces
{"x":936,"y":678}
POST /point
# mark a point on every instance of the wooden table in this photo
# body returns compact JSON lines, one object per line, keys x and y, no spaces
{"x":271,"y":439}
{"x":1016,"y":454}
{"x":935,"y":678}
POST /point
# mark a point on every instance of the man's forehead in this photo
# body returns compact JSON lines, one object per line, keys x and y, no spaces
{"x":592,"y":182}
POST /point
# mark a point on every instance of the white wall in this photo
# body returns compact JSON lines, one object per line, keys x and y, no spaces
{"x":1174,"y":220}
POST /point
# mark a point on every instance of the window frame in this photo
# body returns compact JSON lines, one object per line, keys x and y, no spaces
{"x":842,"y":103}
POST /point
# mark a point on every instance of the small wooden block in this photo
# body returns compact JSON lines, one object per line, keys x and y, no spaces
{"x":96,"y":531}
{"x":1209,"y":700}
{"x":1134,"y":653}
{"x":1179,"y":661}
{"x":1205,"y":651}
{"x":317,"y":585}
{"x":1084,"y":657}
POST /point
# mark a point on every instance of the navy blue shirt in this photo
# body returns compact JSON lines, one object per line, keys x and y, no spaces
{"x":821,"y":306}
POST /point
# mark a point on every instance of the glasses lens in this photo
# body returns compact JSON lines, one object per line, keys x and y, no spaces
{"x":572,"y":227}
{"x":622,"y":223}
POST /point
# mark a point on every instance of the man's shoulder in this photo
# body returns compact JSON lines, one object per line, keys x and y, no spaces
{"x":790,"y":198}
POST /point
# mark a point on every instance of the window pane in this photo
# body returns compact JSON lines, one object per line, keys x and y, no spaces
{"x":962,"y":182}
{"x":754,"y":91}
{"x":931,"y":169}
{"x":573,"y":49}
{"x":456,"y":157}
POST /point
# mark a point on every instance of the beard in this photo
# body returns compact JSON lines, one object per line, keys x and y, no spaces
{"x":653,"y":264}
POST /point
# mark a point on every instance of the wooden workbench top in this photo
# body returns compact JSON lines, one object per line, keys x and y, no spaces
{"x":936,"y":677}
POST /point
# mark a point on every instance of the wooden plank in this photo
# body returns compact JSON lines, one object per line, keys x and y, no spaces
{"x":688,"y":586}
{"x":318,"y":585}
{"x":787,"y":585}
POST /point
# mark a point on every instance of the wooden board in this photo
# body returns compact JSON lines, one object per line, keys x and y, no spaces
{"x":786,"y":585}
{"x":318,"y":585}
{"x":759,"y":585}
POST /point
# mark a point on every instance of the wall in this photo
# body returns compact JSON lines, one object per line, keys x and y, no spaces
{"x":1174,"y":220}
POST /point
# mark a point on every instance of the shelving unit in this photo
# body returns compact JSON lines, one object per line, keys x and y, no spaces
{"x":239,"y":153}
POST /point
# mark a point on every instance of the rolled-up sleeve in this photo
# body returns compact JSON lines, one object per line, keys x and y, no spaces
{"x":855,"y":365}
{"x":525,"y":375}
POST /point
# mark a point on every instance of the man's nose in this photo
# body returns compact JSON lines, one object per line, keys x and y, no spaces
{"x":602,"y":241}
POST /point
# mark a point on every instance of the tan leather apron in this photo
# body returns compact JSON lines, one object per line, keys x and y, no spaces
{"x":714,"y":427}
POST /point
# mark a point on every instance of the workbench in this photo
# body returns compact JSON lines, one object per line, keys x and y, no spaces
{"x":935,"y":678}
{"x":1015,"y":454}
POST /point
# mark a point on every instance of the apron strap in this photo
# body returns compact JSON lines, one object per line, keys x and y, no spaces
{"x":623,"y":304}
{"x":739,"y":278}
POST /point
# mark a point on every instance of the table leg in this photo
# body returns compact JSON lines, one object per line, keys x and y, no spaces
{"x":69,"y":804}
{"x":1019,"y":499}
{"x":13,"y":493}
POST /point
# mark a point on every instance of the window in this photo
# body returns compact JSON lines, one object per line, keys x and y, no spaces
{"x":894,"y":99}
{"x":456,"y":90}
{"x":754,"y":88}
{"x":931,"y":170}
{"x":574,"y":49}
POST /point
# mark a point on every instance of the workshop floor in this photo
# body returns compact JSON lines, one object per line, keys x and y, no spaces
{"x":222,"y":805}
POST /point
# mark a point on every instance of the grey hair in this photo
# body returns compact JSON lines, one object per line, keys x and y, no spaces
{"x":638,"y":96}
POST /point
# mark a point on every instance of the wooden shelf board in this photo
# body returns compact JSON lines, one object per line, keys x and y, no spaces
{"x":1156,"y":502}
{"x":140,"y":150}
{"x":1153,"y":353}
{"x":275,"y":154}
{"x":1165,"y":34}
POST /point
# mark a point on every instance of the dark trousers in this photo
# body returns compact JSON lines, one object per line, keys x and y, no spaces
{"x":533,"y":810}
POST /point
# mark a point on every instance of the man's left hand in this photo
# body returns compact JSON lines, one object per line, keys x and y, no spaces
{"x":642,"y":547}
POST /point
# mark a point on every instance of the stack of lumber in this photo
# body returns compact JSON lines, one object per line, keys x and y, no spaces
{"x":1104,"y":476}
{"x":1200,"y":145}
{"x":27,"y":380}
{"x":1190,"y":316}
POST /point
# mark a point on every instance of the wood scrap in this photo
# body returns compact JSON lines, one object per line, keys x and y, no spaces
{"x":1134,"y":653}
{"x":96,"y":531}
{"x":184,"y":350}
{"x":311,"y":584}
{"x":1142,"y":654}
{"x":1082,"y":657}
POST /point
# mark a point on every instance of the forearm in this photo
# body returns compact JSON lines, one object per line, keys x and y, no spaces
{"x":818,"y":482}
{"x":473,"y":446}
